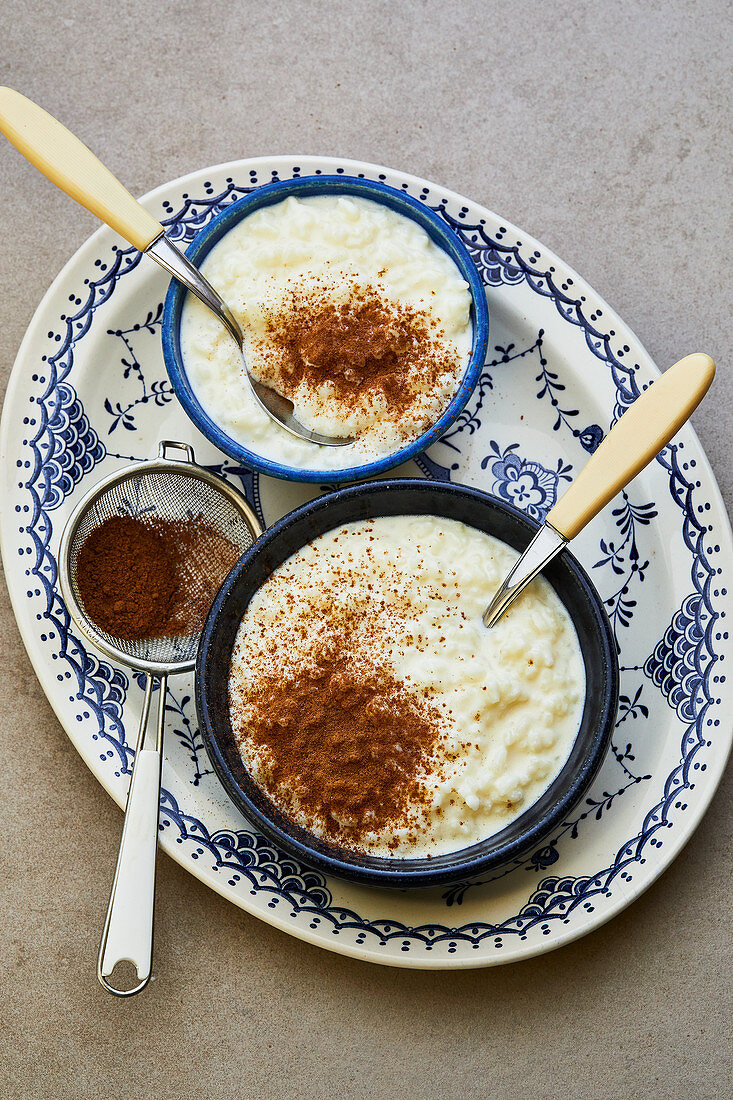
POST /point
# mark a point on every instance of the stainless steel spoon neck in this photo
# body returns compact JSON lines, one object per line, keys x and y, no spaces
{"x":545,"y":545}
{"x":277,"y":407}
{"x":181,"y":268}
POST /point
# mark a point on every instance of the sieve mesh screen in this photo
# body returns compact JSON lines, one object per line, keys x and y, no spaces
{"x":168,"y":495}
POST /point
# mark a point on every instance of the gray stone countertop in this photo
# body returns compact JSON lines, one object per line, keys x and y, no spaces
{"x":602,"y":129}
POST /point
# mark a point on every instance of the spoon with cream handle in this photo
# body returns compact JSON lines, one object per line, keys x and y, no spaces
{"x":67,"y":162}
{"x":635,"y":439}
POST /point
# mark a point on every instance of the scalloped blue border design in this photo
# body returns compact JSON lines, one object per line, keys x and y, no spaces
{"x":102,"y":688}
{"x":499,"y":262}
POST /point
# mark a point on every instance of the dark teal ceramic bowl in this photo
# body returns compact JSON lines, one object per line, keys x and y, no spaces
{"x":396,"y":498}
{"x":303,"y":187}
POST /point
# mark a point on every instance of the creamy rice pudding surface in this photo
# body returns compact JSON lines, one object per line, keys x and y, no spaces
{"x":302,"y":267}
{"x":371,"y":703}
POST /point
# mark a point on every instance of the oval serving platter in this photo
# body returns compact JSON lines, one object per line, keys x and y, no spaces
{"x":89,"y":392}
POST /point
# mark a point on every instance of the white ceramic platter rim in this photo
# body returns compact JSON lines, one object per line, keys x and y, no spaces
{"x":531,"y":252}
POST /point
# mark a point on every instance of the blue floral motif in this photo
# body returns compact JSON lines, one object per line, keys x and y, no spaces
{"x":159,"y":392}
{"x":525,"y":484}
{"x":187,"y":732}
{"x":544,"y":857}
{"x":624,"y":559}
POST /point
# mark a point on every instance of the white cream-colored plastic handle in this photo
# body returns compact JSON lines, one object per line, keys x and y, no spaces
{"x":68,"y":163}
{"x":635,"y":439}
{"x":128,"y":928}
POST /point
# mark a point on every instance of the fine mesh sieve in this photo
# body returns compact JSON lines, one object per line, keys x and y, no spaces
{"x":170,"y":489}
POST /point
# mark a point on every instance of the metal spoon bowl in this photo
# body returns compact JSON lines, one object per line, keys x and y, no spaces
{"x":279,"y":408}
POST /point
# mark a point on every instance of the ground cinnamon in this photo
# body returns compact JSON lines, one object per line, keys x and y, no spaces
{"x":126,"y":578}
{"x":366,"y":343}
{"x":350,"y":745}
{"x":148,"y":577}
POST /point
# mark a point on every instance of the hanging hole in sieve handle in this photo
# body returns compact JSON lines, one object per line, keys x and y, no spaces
{"x":174,"y":445}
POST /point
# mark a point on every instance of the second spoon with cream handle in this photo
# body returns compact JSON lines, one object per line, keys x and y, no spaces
{"x":68,"y":163}
{"x":632,"y":443}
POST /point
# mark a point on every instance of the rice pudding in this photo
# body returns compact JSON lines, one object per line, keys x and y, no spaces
{"x":395,"y":304}
{"x":373,"y":706}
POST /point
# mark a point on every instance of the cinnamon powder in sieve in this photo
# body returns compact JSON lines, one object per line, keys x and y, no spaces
{"x":126,"y":578}
{"x":148,"y":577}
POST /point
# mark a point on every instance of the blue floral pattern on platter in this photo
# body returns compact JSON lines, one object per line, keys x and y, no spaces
{"x":66,"y":436}
{"x":525,"y":484}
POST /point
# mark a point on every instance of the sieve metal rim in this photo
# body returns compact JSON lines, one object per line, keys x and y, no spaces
{"x":162,"y":464}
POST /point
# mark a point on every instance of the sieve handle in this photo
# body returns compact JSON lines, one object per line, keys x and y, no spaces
{"x":128,"y":929}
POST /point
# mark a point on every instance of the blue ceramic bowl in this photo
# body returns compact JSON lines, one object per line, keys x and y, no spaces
{"x":393,"y":498}
{"x":303,"y":187}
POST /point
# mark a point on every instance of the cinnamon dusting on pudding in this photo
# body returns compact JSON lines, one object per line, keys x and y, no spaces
{"x":362,"y":345}
{"x":345,"y":744}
